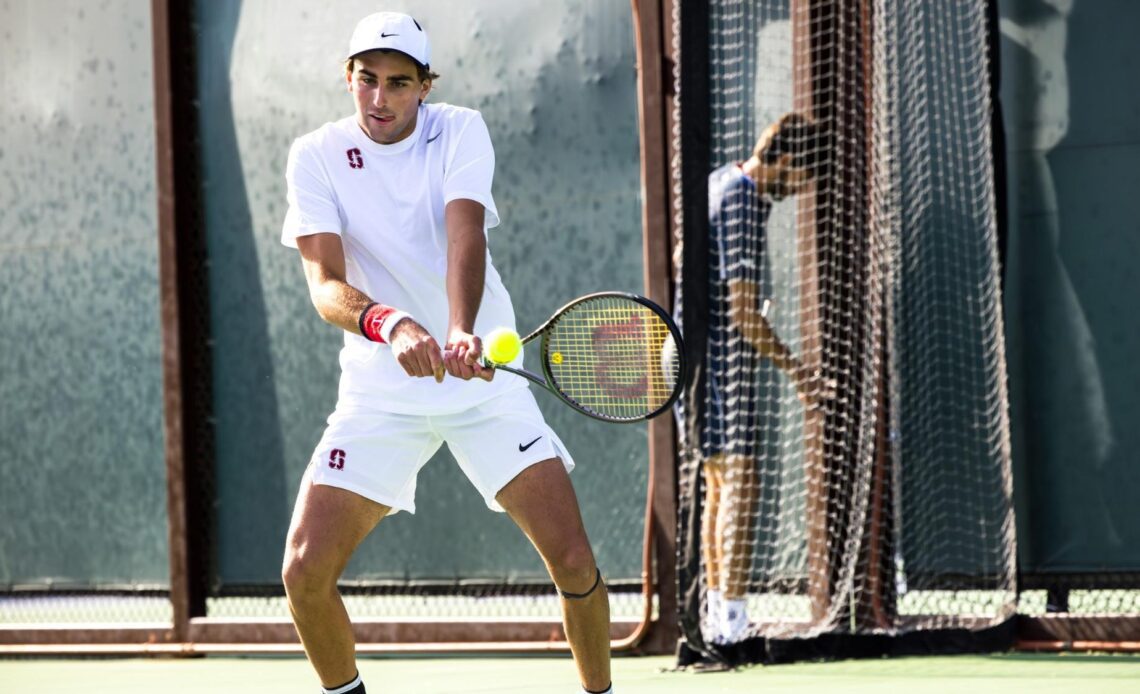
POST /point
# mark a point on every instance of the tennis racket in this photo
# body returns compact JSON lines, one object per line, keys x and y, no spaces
{"x":612,"y":356}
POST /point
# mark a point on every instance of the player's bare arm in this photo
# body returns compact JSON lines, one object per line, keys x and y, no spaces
{"x":744,"y":296}
{"x":341,"y":304}
{"x":466,"y":270}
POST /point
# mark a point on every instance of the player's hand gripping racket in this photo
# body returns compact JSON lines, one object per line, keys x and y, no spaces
{"x":613,"y":356}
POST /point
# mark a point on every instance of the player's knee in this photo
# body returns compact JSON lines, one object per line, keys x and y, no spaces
{"x":573,"y":567}
{"x":735,"y":465}
{"x":303,"y":577}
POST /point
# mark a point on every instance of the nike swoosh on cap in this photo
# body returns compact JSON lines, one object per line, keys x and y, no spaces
{"x":384,"y":36}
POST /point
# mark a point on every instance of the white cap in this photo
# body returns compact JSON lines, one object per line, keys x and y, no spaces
{"x":391,"y":31}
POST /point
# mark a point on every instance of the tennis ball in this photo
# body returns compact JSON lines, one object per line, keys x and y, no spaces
{"x":502,"y":345}
{"x":669,"y":359}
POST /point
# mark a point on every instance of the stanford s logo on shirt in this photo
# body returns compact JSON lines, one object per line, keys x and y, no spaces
{"x":340,"y":181}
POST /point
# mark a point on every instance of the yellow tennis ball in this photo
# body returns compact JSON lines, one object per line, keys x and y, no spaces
{"x":502,"y":345}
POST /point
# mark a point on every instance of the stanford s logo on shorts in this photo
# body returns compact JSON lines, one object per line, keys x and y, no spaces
{"x":355,"y":160}
{"x":336,"y":459}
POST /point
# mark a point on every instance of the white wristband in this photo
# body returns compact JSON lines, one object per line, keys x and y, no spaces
{"x":389,"y":323}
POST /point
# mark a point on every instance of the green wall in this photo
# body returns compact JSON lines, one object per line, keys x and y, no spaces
{"x":1072,"y":114}
{"x":83,"y":497}
{"x":83,"y":493}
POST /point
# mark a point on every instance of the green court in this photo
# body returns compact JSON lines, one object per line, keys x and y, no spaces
{"x":999,"y":674}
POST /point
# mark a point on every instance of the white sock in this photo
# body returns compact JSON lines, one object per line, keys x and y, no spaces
{"x":714,"y":617}
{"x":344,"y":689}
{"x":734,"y":619}
{"x":714,"y":599}
{"x":604,"y":691}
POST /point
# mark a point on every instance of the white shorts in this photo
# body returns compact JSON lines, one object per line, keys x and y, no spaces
{"x":379,"y":454}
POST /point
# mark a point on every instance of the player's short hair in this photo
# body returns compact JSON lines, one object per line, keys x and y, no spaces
{"x":423,"y":72}
{"x":797,"y":135}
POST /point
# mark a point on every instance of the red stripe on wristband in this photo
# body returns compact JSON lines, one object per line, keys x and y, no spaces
{"x":372,"y":320}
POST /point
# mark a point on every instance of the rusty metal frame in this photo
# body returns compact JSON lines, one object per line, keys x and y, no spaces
{"x":655,"y":107}
{"x":817,"y":73}
{"x":185,"y":352}
{"x":1067,"y":632}
{"x":172,"y":385}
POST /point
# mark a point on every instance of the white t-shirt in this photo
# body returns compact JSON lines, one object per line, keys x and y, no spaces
{"x":387,"y":204}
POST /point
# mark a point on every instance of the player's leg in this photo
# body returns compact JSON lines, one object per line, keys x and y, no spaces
{"x":757,"y":421}
{"x":736,"y":523}
{"x":328,"y":524}
{"x":738,"y":511}
{"x":364,"y":468}
{"x":520,"y":466}
{"x":542,"y":502}
{"x":711,"y":546}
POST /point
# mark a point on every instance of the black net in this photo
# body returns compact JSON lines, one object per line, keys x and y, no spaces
{"x":846,"y":444}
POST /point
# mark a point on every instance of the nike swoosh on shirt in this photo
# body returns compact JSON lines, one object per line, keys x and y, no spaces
{"x":522,"y":448}
{"x":433,"y":138}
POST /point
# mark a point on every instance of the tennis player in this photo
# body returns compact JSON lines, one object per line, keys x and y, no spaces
{"x":740,"y":420}
{"x":390,"y":209}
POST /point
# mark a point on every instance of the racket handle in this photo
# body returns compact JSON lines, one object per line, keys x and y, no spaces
{"x":449,"y":353}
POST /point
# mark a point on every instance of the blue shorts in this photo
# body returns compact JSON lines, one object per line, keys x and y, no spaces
{"x":741,"y":416}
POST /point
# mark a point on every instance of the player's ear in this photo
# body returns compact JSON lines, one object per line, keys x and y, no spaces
{"x":763,"y":141}
{"x":425,"y":88}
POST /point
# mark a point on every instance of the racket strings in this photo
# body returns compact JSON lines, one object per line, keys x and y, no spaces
{"x":610,"y":355}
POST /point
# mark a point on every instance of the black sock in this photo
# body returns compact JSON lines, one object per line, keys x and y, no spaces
{"x":340,"y":688}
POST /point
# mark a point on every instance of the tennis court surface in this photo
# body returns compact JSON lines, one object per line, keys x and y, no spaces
{"x":1040,"y":674}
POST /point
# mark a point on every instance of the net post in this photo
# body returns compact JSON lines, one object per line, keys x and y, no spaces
{"x":840,"y":269}
{"x":691,"y":163}
{"x":819,"y":574}
{"x":653,"y":64}
{"x":878,"y":606}
{"x":887,"y":245}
